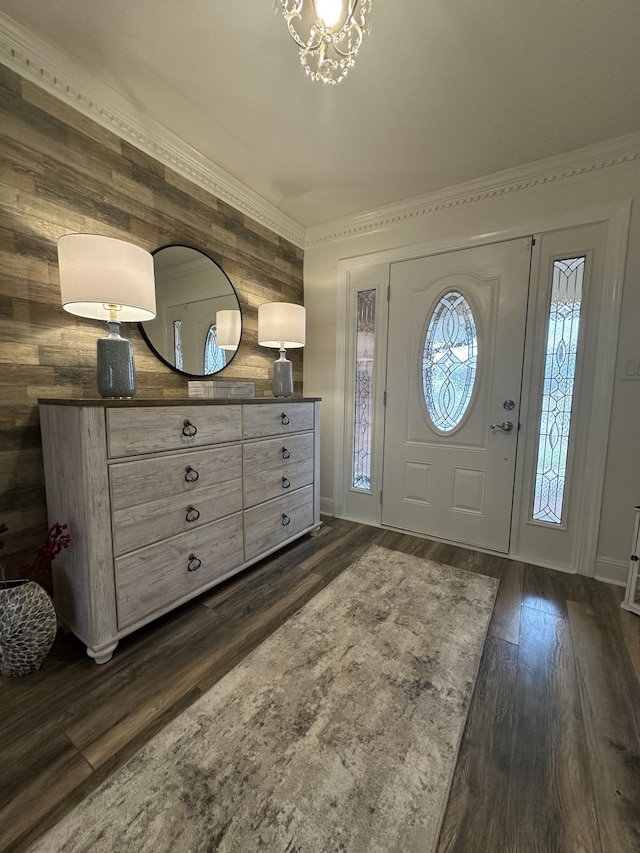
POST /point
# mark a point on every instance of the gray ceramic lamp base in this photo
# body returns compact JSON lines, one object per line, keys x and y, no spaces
{"x":282,"y":377}
{"x":116,"y":371}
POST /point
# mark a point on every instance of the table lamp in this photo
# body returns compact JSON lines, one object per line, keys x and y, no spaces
{"x":281,"y":325}
{"x":228,"y":328}
{"x":104,"y":278}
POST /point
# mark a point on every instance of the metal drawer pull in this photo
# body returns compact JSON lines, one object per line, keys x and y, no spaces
{"x":191,"y":475}
{"x":285,"y":519}
{"x":285,"y":453}
{"x":285,"y":419}
{"x":194,"y":563}
{"x":189,"y":430}
{"x":192,"y":514}
{"x":285,"y":483}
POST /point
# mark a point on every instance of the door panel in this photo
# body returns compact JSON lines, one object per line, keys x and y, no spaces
{"x":455,"y":482}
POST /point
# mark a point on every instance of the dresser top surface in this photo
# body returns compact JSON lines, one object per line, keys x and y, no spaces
{"x":140,"y":402}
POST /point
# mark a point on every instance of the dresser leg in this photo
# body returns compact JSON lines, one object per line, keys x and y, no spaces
{"x":103,"y":654}
{"x":315,"y":530}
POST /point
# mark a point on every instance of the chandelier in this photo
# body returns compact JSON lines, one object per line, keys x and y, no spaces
{"x":328,"y":33}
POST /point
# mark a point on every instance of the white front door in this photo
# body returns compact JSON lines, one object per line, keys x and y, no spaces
{"x":454,"y":373}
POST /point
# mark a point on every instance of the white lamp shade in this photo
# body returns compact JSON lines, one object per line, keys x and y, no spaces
{"x":96,"y":272}
{"x":281,"y":323}
{"x":228,"y":329}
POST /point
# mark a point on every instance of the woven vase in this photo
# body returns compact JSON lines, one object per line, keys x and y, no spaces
{"x":27,"y":626}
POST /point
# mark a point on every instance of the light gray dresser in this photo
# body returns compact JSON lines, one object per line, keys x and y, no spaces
{"x":167,"y":498}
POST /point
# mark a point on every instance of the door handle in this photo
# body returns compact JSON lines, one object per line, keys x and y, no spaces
{"x":505,"y":426}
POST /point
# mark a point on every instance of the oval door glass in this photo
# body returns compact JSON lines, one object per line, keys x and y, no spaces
{"x":449,"y":361}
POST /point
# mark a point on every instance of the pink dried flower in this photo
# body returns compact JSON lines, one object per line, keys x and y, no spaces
{"x":40,"y":570}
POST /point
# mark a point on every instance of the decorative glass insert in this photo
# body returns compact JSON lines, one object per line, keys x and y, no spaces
{"x":214,"y":357}
{"x":177,"y":343}
{"x":558,"y":389}
{"x":364,"y":379}
{"x":449,"y":361}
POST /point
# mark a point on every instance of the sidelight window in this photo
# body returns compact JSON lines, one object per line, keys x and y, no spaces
{"x":558,"y":389}
{"x":364,"y":386}
{"x":177,"y":343}
{"x":214,"y":357}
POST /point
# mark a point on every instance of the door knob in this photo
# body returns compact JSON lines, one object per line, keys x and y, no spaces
{"x":505,"y":426}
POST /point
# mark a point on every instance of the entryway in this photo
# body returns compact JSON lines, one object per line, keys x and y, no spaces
{"x":454,"y":373}
{"x":448,"y":344}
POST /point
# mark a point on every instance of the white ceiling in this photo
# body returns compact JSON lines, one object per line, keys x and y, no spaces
{"x":443,"y":91}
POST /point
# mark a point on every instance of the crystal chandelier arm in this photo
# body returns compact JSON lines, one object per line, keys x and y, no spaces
{"x":327,"y":51}
{"x":292,"y":11}
{"x":352,"y":44}
{"x":320,"y":32}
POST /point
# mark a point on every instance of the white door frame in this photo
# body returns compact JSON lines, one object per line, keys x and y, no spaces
{"x":617,"y":217}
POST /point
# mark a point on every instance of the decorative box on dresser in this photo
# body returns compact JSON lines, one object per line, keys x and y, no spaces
{"x":165,"y":499}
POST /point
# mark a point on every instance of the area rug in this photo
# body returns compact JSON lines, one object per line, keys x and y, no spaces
{"x":339,"y":733}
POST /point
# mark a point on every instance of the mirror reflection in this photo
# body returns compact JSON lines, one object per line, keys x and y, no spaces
{"x":197,"y":326}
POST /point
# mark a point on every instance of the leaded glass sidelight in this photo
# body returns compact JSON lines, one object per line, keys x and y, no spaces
{"x":449,"y":361}
{"x":363,"y":396}
{"x":558,"y":389}
{"x":214,"y":357}
{"x":177,"y":343}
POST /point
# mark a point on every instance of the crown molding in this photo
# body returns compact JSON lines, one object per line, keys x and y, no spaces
{"x":188,"y":270}
{"x":62,"y":76}
{"x":614,"y":152}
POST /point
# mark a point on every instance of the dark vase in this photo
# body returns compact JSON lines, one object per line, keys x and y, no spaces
{"x":27,"y":626}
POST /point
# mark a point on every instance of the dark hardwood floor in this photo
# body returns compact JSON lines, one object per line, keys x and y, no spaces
{"x":549,"y":761}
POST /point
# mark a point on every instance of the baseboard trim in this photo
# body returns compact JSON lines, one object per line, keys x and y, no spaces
{"x":326,"y":506}
{"x":611,"y":571}
{"x":607,"y":571}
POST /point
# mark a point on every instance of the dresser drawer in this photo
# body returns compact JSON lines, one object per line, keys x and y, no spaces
{"x":154,"y":577}
{"x":279,"y":418}
{"x":269,"y":524}
{"x":144,"y":480}
{"x":159,"y":428}
{"x":276,"y":466}
{"x":140,"y":525}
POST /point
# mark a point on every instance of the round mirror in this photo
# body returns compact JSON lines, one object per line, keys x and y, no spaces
{"x":197,"y":327}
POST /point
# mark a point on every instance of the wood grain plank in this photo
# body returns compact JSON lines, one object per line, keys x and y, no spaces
{"x":611,"y":703}
{"x":55,"y":781}
{"x":276,"y":571}
{"x":548,"y":590}
{"x":143,"y":663}
{"x":474,"y":819}
{"x":505,"y":622}
{"x":630,"y":623}
{"x":542,"y":590}
{"x":38,"y":97}
{"x":550,"y":804}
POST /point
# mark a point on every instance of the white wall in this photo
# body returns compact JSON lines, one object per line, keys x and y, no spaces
{"x":499,"y":210}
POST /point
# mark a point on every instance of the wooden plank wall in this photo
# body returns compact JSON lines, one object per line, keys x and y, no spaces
{"x":61,"y":173}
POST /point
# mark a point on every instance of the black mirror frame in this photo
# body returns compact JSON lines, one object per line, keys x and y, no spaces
{"x":195,"y":376}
